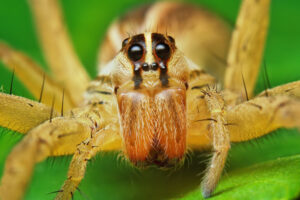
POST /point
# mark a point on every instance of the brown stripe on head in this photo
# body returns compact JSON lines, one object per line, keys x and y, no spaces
{"x":135,"y":49}
{"x":162,"y":49}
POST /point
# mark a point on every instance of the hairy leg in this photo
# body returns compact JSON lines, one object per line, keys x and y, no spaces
{"x":21,"y":114}
{"x":42,"y":86}
{"x":58,"y":135}
{"x":280,"y":107}
{"x":220,"y":140}
{"x":58,"y":49}
{"x":290,"y":89}
{"x":197,"y":111}
{"x":262,"y":115}
{"x":84,"y":152}
{"x":104,"y":136}
{"x":247,"y":45}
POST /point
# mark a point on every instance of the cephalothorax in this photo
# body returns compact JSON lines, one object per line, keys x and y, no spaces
{"x":154,"y":95}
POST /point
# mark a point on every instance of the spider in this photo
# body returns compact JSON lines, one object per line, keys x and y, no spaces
{"x":149,"y":99}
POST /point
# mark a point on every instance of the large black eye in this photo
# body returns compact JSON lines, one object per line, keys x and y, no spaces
{"x":162,"y":50}
{"x":135,"y":52}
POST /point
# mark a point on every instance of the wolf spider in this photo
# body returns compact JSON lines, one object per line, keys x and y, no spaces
{"x":149,"y":99}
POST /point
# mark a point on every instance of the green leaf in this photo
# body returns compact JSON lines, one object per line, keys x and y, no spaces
{"x":276,"y":179}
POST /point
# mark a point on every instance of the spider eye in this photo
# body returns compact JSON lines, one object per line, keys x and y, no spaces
{"x":125,"y":42}
{"x":162,"y":50}
{"x":171,"y":39}
{"x":135,"y":52}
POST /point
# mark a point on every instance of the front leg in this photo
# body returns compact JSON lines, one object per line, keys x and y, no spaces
{"x":261,"y":115}
{"x":220,"y":140}
{"x":85,"y":151}
{"x":56,"y":137}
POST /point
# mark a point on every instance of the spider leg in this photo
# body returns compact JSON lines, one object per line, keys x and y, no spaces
{"x":210,"y":122}
{"x":84,"y":152}
{"x":50,"y":138}
{"x":290,"y":89}
{"x":197,"y":110}
{"x":262,"y":115}
{"x":21,"y":114}
{"x":247,"y":45}
{"x":61,"y":136}
{"x":58,"y":49}
{"x":220,"y":140}
{"x":42,"y":86}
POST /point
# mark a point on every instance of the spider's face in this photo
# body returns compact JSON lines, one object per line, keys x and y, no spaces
{"x":150,"y":83}
{"x":150,"y":61}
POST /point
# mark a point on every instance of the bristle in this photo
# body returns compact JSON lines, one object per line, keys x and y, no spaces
{"x":52,"y":107}
{"x":267,"y":76}
{"x":266,"y":80}
{"x":62,"y":103}
{"x":12,"y":81}
{"x":230,"y":124}
{"x":54,"y":192}
{"x":81,"y":193}
{"x":244,"y":84}
{"x":208,"y":119}
{"x":166,"y":33}
{"x":42,"y":88}
{"x":67,"y":134}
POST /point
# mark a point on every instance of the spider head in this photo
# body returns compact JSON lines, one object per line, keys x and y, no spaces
{"x":150,"y":60}
{"x":150,"y":79}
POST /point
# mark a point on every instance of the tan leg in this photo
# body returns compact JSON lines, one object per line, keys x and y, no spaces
{"x":34,"y":78}
{"x":58,"y":48}
{"x":21,"y":114}
{"x":248,"y":120}
{"x":85,"y":151}
{"x":262,"y":115}
{"x":220,"y":140}
{"x":247,"y":45}
{"x":290,"y":89}
{"x":59,"y":135}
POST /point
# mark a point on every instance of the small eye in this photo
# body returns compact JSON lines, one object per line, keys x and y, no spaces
{"x":135,"y":52}
{"x":171,"y":39}
{"x":125,"y":42}
{"x":162,"y":50}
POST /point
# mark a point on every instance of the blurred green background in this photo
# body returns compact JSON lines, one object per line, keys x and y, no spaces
{"x":109,"y":177}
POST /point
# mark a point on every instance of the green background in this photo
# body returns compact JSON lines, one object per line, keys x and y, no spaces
{"x":266,"y":168}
